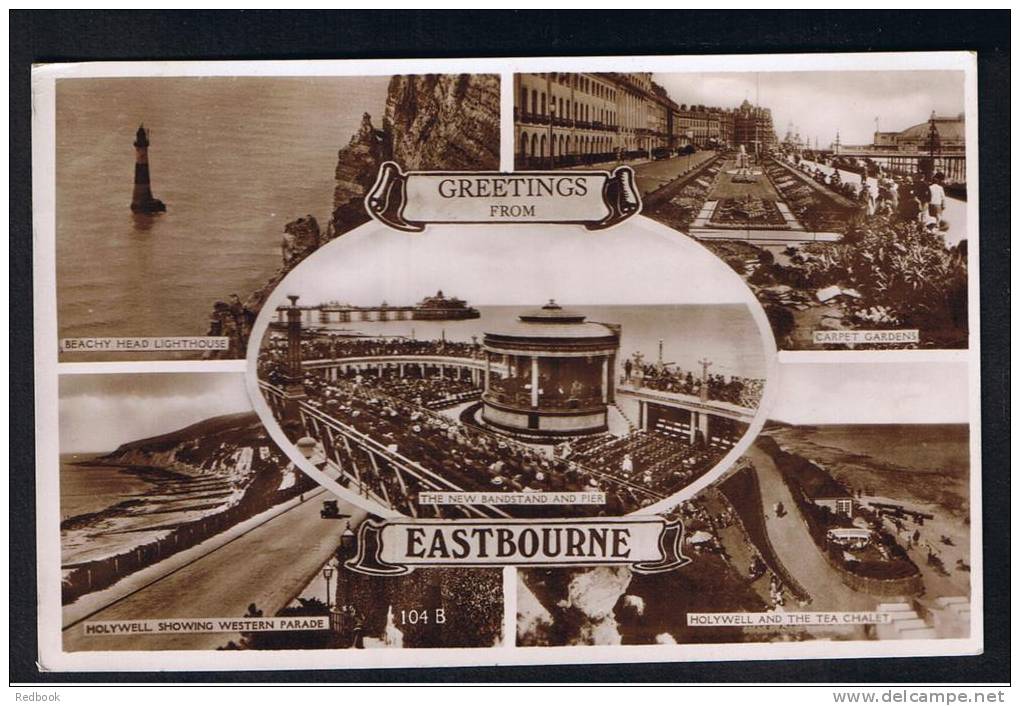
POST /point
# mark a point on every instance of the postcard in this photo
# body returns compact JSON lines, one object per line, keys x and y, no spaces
{"x":347,"y":364}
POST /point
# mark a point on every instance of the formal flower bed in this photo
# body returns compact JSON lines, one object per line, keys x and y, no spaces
{"x":816,"y":210}
{"x":748,"y":212}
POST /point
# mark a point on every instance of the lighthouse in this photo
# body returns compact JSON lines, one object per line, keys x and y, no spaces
{"x":142,"y":200}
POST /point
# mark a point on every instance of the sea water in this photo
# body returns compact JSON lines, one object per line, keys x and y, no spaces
{"x":724,"y":334}
{"x":234,"y":159}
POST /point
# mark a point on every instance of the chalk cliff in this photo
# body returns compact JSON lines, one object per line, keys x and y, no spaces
{"x":446,"y":121}
{"x":443,"y":121}
{"x":232,"y":446}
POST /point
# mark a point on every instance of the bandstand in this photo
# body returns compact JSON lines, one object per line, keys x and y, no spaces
{"x":559,"y":374}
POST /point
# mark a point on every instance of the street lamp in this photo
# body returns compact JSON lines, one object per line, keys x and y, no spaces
{"x":327,"y":573}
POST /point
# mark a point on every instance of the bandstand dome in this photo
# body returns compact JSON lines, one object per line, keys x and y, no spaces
{"x":556,"y":373}
{"x":553,"y":322}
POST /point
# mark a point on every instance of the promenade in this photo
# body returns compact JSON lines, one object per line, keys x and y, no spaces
{"x":652,"y":174}
{"x":268,"y":566}
{"x":795,"y":547}
{"x":955,"y":213}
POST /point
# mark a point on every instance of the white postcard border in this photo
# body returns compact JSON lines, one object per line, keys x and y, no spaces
{"x":48,"y":370}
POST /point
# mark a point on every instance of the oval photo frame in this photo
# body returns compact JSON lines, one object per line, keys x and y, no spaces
{"x":555,"y":262}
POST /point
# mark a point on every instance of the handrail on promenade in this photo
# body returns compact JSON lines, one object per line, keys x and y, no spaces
{"x":378,"y":448}
{"x":402,"y":462}
{"x":718,"y":406}
{"x":505,"y":439}
{"x":397,"y":459}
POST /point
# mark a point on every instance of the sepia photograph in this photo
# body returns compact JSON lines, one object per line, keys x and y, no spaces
{"x":836,"y":510}
{"x":173,"y":525}
{"x":839,"y":196}
{"x":244,"y":174}
{"x":524,"y":385}
{"x":446,"y":363}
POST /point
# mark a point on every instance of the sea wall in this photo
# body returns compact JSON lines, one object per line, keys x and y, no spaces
{"x":232,"y":449}
{"x":909,"y":583}
{"x":86,"y":577}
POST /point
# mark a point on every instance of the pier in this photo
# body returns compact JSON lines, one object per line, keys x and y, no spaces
{"x":343,"y":313}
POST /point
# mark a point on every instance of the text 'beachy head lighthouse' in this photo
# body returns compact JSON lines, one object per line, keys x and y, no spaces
{"x":142,"y":200}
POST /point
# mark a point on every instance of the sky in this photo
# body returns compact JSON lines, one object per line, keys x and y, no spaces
{"x":515,"y":265}
{"x":872,"y":393}
{"x":98,"y":413}
{"x":821,"y":102}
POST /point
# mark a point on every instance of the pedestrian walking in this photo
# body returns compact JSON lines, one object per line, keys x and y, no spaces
{"x":937,"y":196}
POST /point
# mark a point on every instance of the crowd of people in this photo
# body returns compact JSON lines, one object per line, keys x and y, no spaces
{"x":735,"y":389}
{"x":655,"y":460}
{"x":335,"y":347}
{"x":432,"y":393}
{"x":919,"y":197}
{"x":398,"y":415}
{"x":469,"y":458}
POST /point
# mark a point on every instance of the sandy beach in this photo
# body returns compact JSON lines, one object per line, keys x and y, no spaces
{"x":923,"y":468}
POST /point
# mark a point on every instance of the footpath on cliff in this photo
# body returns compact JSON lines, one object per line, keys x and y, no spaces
{"x":795,"y":547}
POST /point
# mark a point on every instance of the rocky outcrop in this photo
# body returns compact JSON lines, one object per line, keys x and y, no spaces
{"x":356,"y":167}
{"x":595,"y":594}
{"x":445,"y":121}
{"x":441,"y":122}
{"x":300,"y":238}
{"x":534,"y":621}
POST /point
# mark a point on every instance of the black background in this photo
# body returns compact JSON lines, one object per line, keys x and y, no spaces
{"x":38,"y":37}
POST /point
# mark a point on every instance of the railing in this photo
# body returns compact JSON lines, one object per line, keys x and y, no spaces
{"x":528,"y":118}
{"x":508,"y":440}
{"x":523,"y":399}
{"x":405,"y":359}
{"x":312,"y":418}
{"x":679,"y":399}
{"x":398,"y":461}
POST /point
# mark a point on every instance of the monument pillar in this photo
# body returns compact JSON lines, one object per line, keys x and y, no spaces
{"x":294,"y":374}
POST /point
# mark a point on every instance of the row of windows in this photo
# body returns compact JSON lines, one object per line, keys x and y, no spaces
{"x":536,"y":103}
{"x":535,"y":145}
{"x":564,"y":108}
{"x":538,"y":145}
{"x":584,"y":84}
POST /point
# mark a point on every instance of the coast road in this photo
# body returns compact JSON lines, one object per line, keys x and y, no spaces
{"x":795,"y":547}
{"x":655,"y":174}
{"x":267,"y":566}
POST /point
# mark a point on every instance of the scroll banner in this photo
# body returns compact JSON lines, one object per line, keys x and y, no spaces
{"x":396,"y":547}
{"x":409,"y":201}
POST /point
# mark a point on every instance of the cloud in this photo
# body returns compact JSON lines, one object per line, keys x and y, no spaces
{"x":872,"y":393}
{"x":100,"y":412}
